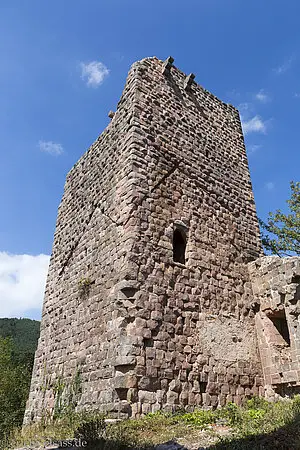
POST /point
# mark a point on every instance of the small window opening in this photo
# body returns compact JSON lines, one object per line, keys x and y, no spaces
{"x":125,"y":368}
{"x":122,"y":393}
{"x":280,"y":323}
{"x":179,"y":246}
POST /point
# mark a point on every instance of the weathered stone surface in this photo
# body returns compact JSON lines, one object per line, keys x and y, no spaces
{"x":148,"y":296}
{"x":276,"y":296}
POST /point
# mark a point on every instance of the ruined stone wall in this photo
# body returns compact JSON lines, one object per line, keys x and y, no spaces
{"x":145,"y":332}
{"x":276,"y":289}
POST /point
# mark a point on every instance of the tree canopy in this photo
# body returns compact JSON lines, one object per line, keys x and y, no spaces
{"x":18,"y":342}
{"x":281,"y":232}
{"x":14,"y":386}
{"x":24,"y":333}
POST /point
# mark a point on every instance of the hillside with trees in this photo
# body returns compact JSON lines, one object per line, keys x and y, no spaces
{"x":23,"y":332}
{"x":18,"y":342}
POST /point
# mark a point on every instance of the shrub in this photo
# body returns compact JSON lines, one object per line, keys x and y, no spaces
{"x":232,"y":413}
{"x":200,"y":418}
{"x":91,"y":426}
{"x":257,"y":403}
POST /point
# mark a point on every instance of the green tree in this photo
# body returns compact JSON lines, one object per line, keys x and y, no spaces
{"x":15,"y":377}
{"x":281,"y":233}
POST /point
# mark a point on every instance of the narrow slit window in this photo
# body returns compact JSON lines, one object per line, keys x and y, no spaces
{"x":179,"y":246}
{"x":280,"y":323}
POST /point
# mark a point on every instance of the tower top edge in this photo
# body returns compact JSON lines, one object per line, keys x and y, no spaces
{"x":161,"y":62}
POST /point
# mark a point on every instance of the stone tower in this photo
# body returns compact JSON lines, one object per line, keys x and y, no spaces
{"x":148,"y":301}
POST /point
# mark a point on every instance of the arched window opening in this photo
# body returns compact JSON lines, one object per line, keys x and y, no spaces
{"x":179,"y":246}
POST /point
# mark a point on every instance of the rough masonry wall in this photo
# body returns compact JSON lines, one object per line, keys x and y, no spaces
{"x":199,"y":342}
{"x":141,"y":331}
{"x":89,"y":258}
{"x":276,"y":289}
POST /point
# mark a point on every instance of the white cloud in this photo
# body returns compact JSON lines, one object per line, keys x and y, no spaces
{"x":233,"y":95}
{"x":51,"y":147}
{"x":254,"y":125}
{"x":253,"y":148}
{"x":22,"y":283}
{"x":270,"y":185}
{"x":287,"y":64}
{"x":245,"y":108}
{"x":262,"y":96}
{"x":94,"y":73}
{"x":297,"y":95}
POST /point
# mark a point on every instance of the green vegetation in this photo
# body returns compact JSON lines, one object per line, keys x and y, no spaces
{"x":18,"y":341}
{"x":67,"y":395}
{"x":84,"y":286}
{"x":281,"y":233}
{"x":15,"y":374}
{"x":257,"y":425}
{"x":24,"y":333}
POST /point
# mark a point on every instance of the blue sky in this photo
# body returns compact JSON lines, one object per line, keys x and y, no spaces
{"x":63,"y":67}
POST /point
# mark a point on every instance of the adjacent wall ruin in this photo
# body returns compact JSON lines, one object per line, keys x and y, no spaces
{"x":149,"y":302}
{"x":276,"y":291}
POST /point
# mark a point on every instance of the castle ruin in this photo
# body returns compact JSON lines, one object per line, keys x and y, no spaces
{"x":158,"y":295}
